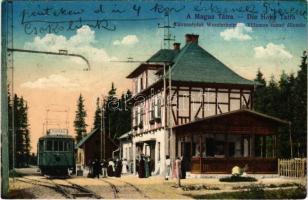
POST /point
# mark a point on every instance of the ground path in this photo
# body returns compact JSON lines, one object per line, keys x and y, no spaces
{"x":34,"y":185}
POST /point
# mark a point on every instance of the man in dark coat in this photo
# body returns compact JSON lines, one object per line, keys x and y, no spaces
{"x":141,"y":171}
{"x":183,"y":167}
{"x":118,"y":168}
{"x":96,"y":168}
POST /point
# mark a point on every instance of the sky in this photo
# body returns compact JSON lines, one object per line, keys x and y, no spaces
{"x":105,"y":32}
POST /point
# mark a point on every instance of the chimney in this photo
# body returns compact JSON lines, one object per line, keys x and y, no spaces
{"x":191,"y":38}
{"x":176,"y":46}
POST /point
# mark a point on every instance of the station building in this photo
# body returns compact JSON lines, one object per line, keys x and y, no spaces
{"x":187,"y":103}
{"x":92,"y":147}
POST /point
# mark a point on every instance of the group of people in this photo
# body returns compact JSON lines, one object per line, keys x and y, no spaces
{"x":178,"y":168}
{"x":108,"y":168}
{"x":144,"y":166}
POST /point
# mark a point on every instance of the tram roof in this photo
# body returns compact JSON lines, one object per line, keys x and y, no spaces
{"x":56,"y":136}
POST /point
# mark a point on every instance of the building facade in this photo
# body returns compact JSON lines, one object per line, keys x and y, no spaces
{"x":176,"y":88}
{"x":92,"y":147}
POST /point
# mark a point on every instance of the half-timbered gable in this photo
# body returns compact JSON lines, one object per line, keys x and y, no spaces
{"x":177,"y":87}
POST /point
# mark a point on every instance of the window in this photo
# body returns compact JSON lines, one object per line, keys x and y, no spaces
{"x":152,"y":107}
{"x":41,"y":145}
{"x":136,"y":117}
{"x":158,"y":114}
{"x":210,"y":147}
{"x":196,"y":149}
{"x":56,"y":145}
{"x":65,"y":145}
{"x":141,"y":115}
{"x":136,"y":85}
{"x":61,"y":146}
{"x":158,"y":144}
{"x":68,"y":146}
{"x":141,"y":83}
{"x":49,"y":145}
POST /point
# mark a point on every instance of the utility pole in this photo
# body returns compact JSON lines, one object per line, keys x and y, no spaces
{"x":167,"y":35}
{"x":102,"y":127}
{"x":290,"y":140}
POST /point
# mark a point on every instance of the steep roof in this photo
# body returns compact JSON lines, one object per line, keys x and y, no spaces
{"x":163,"y":55}
{"x":194,"y":64}
{"x":235,"y":112}
{"x":84,"y":139}
{"x":125,"y":135}
{"x":88,"y":136}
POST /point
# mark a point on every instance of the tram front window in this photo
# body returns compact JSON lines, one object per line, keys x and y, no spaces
{"x":41,"y":145}
{"x":56,"y":145}
{"x":60,"y":145}
{"x":49,"y":145}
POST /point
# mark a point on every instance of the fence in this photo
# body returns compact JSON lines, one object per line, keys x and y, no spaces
{"x":292,"y":167}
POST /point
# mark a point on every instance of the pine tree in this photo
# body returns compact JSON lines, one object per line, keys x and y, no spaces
{"x":22,"y":141}
{"x":259,"y":93}
{"x":80,"y":123}
{"x":271,"y":98}
{"x":124,"y":115}
{"x":112,"y":112}
{"x":97,"y":115}
{"x":300,"y":119}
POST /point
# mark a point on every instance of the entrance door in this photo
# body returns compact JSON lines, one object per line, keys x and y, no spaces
{"x":187,"y":154}
{"x":152,"y":157}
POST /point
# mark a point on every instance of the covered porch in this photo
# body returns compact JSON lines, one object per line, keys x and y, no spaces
{"x":243,"y":138}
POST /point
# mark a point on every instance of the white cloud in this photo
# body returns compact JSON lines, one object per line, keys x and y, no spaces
{"x":52,"y":81}
{"x":127,"y":40}
{"x":240,"y":32}
{"x":272,"y":51}
{"x":80,"y":43}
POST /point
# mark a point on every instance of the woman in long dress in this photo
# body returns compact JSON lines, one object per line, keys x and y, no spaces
{"x":110,"y":169}
{"x":146,"y":168}
{"x":141,"y":168}
{"x":124,"y":166}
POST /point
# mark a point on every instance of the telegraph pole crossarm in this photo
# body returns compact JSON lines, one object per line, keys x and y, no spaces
{"x":61,"y":53}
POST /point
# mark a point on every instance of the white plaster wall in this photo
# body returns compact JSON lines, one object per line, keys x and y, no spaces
{"x":125,"y":151}
{"x":159,"y":137}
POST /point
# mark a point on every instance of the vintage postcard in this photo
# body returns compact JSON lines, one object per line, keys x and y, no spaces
{"x":153,"y":99}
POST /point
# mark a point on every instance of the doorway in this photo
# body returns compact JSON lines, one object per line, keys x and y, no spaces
{"x":187,"y":154}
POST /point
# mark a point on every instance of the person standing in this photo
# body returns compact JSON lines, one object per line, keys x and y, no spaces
{"x":168,"y":167}
{"x":146,"y":167}
{"x":104,"y":168}
{"x":141,"y":168}
{"x":178,"y":171}
{"x":110,"y":169}
{"x":118,"y":168}
{"x":96,"y":168}
{"x":183,"y":167}
{"x":125,"y":166}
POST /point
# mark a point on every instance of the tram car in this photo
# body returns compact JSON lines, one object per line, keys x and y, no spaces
{"x":55,"y":153}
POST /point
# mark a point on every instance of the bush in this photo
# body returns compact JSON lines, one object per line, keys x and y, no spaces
{"x":238,"y":179}
{"x":256,"y":192}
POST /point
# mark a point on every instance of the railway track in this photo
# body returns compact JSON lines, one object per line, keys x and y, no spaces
{"x":135,"y":187}
{"x":113,"y":187}
{"x":116,"y":190}
{"x":70,"y":190}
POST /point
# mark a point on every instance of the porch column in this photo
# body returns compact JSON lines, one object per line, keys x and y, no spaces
{"x":275,"y":146}
{"x":252,"y":145}
{"x":200,"y":150}
{"x":172,"y":146}
{"x":226,"y":146}
{"x":134,"y":157}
